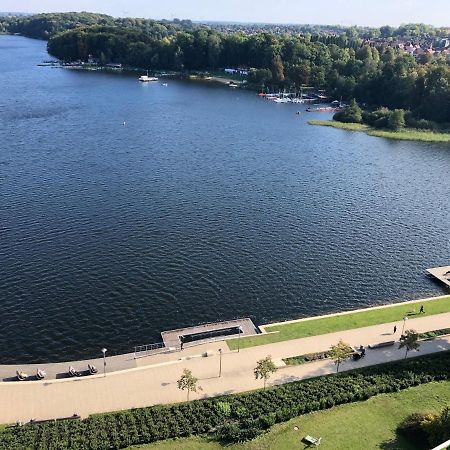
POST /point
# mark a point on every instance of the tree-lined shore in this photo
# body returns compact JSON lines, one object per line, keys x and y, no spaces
{"x":344,"y":64}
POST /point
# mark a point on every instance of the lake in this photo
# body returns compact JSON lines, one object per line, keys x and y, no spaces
{"x":127,"y":209}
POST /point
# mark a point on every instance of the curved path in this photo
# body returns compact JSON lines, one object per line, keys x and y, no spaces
{"x":153,"y":379}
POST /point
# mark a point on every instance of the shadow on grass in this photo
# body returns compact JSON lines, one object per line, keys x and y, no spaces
{"x":402,"y":443}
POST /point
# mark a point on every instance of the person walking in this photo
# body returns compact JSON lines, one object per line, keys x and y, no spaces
{"x":395,"y":329}
{"x":422,"y":311}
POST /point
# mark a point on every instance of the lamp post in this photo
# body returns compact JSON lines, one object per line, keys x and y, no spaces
{"x":239,"y":338}
{"x":104,"y":361}
{"x":220,"y":362}
{"x":404,"y":322}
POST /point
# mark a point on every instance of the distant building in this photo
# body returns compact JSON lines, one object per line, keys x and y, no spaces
{"x":239,"y":70}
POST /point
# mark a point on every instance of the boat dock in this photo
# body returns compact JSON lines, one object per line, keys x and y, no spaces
{"x":441,"y":273}
{"x":209,"y":332}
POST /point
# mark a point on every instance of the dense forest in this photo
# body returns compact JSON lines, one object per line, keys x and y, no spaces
{"x":376,"y":74}
{"x":44,"y":26}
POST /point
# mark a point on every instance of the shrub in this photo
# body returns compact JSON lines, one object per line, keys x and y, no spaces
{"x":224,"y":408}
{"x":351,"y":114}
{"x":420,"y":124}
{"x":236,"y":417}
{"x":437,"y":427}
{"x":434,"y":333}
{"x":396,"y":120}
{"x":309,"y":357}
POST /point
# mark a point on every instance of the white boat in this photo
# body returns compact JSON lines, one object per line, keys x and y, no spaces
{"x":281,"y":100}
{"x":146,"y":78}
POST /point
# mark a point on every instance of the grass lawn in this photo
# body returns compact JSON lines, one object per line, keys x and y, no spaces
{"x":412,"y":135}
{"x":408,"y":134}
{"x":364,"y":425}
{"x":314,"y":327}
{"x":340,"y":125}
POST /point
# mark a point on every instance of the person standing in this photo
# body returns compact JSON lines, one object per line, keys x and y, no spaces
{"x":422,"y":311}
{"x":395,"y":329}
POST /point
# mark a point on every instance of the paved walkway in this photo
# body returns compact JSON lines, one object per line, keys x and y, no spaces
{"x":153,"y":380}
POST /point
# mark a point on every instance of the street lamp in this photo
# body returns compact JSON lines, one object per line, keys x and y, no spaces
{"x":239,"y":338}
{"x":404,"y":321}
{"x":220,"y":362}
{"x":104,"y":361}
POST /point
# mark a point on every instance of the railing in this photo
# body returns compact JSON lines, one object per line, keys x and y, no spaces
{"x":443,"y":446}
{"x":141,"y":351}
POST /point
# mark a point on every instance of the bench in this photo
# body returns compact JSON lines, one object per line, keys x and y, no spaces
{"x":381,"y":344}
{"x":309,"y":440}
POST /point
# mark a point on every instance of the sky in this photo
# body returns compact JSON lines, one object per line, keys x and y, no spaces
{"x":341,"y":12}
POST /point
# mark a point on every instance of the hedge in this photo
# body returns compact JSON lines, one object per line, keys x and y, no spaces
{"x":234,"y":417}
{"x":308,"y":357}
{"x":435,"y":333}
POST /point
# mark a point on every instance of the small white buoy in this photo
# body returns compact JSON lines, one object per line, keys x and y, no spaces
{"x":124,"y":124}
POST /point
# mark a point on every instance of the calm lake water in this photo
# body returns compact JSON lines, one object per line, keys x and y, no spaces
{"x":208,"y":204}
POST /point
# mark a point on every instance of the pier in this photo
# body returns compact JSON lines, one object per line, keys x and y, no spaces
{"x":441,"y":273}
{"x":181,"y":338}
{"x":172,"y":339}
{"x":208,"y":332}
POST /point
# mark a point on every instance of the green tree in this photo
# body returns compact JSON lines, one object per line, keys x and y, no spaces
{"x":340,"y":352}
{"x":188,"y":382}
{"x":102,"y":58}
{"x":214,"y":49}
{"x":410,"y":341}
{"x":259,"y":76}
{"x":396,"y":119}
{"x":264,"y":369}
{"x":277,"y":69}
{"x":352,"y":113}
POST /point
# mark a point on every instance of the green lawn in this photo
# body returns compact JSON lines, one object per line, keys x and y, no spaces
{"x":340,"y":125}
{"x":412,"y":135}
{"x":295,"y":330}
{"x":408,"y":134}
{"x":364,"y":425}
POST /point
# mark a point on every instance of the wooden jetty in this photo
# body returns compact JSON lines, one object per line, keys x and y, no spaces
{"x":441,"y":273}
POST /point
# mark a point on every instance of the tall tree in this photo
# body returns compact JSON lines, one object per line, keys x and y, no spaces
{"x":277,"y":69}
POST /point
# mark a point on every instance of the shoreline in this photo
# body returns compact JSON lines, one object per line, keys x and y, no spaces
{"x":352,"y":311}
{"x":154,"y":382}
{"x":342,"y":321}
{"x":407,"y":134}
{"x":126,"y":361}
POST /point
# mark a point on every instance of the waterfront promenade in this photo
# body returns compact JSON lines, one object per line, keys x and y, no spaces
{"x":152,"y":380}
